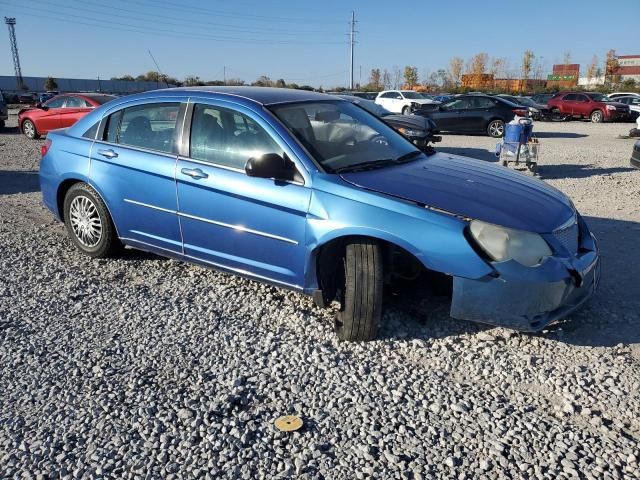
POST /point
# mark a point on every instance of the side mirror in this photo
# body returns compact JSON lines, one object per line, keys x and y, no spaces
{"x":269,"y":165}
{"x":38,"y":105}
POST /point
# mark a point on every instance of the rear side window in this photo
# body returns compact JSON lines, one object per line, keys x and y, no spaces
{"x":75,"y":102}
{"x":224,"y":137}
{"x":571,"y":97}
{"x":483,"y":102}
{"x":92,"y":131}
{"x":151,"y":127}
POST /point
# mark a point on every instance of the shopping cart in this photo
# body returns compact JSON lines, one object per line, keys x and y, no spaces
{"x":519,"y":145}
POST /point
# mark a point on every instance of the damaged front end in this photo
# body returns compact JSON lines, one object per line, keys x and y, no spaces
{"x":530,"y":298}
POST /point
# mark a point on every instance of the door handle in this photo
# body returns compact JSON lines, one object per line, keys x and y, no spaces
{"x":107,"y":153}
{"x":194,"y":173}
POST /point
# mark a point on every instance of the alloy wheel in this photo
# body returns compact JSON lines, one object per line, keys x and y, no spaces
{"x":85,"y":221}
{"x":29,"y":129}
{"x":596,"y":117}
{"x":496,"y":128}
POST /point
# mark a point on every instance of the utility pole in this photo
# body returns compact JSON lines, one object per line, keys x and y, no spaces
{"x":11,"y":24}
{"x":352,"y":41}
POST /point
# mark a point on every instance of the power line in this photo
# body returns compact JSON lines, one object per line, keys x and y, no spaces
{"x":162,"y":32}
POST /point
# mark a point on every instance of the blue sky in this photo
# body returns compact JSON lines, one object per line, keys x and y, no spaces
{"x":303,"y":41}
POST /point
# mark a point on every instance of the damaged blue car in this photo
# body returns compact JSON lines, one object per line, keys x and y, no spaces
{"x":310,"y":192}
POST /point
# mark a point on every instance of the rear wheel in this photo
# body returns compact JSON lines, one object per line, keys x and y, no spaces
{"x":29,"y":129}
{"x":361,"y":292}
{"x":597,"y":116}
{"x":495,"y":128}
{"x":1,"y":124}
{"x":88,"y":222}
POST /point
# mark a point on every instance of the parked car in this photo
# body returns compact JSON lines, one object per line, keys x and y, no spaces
{"x":594,"y":106}
{"x":616,"y":95}
{"x":542,"y":98}
{"x":473,"y":113}
{"x":635,"y":155}
{"x":537,"y":111}
{"x":26,"y":98}
{"x":633,"y":103}
{"x":402,"y":101}
{"x":242,"y":180}
{"x":365,"y":95}
{"x":418,"y":130}
{"x":59,"y":112}
{"x":4,"y":114}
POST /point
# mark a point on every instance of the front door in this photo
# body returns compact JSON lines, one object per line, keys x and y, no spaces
{"x":249,"y":225}
{"x":450,"y":116}
{"x":134,"y":162}
{"x":49,"y":118}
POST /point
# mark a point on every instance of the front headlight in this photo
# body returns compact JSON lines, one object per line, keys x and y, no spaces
{"x":412,"y":133}
{"x":610,"y":107}
{"x":533,"y":110}
{"x":501,"y":243}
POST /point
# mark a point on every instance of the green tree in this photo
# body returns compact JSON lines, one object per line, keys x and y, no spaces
{"x":50,"y":84}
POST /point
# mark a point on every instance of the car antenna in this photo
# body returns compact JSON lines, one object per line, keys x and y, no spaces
{"x":160,"y":74}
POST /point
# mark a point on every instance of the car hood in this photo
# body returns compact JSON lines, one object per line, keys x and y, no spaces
{"x":472,"y":188}
{"x":423,"y":101}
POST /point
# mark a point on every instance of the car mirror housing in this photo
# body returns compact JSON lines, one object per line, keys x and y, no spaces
{"x":269,"y":165}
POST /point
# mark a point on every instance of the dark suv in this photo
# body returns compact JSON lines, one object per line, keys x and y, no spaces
{"x":594,"y":106}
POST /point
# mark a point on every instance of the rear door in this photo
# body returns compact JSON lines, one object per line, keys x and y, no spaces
{"x":74,"y":109}
{"x":568,"y":104}
{"x":582,"y":105}
{"x":245,"y":224}
{"x":133,"y":165}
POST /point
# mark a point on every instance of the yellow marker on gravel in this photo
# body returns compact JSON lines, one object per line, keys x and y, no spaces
{"x":288,"y":423}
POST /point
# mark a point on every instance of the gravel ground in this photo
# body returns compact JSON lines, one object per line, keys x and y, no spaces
{"x":143,"y":367}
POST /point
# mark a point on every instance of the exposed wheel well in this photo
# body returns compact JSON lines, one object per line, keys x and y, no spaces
{"x":62,"y":192}
{"x":398,"y":263}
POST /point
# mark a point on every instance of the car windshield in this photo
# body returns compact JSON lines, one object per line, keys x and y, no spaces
{"x":343,"y":137}
{"x":598,"y":97}
{"x":525,"y":101}
{"x":413,"y":95}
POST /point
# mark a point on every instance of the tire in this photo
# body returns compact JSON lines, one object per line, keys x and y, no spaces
{"x":88,"y":222}
{"x":361,"y":302}
{"x":495,"y":128}
{"x":596,"y":116}
{"x":29,"y":129}
{"x":406,"y":110}
{"x":1,"y":124}
{"x":556,"y":115}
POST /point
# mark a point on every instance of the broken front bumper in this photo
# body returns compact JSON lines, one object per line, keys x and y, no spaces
{"x":528,"y":298}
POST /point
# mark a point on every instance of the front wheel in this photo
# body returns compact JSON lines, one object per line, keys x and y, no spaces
{"x":495,"y":128}
{"x":361,"y":295}
{"x":597,"y":116}
{"x":88,"y":222}
{"x":556,"y":115}
{"x":29,"y":129}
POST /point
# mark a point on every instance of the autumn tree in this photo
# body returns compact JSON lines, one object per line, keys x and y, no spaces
{"x":396,"y":77}
{"x":411,"y":76}
{"x":527,"y":63}
{"x":375,"y":77}
{"x":455,"y":70}
{"x":386,"y":79}
{"x":478,"y":64}
{"x":50,"y":84}
{"x":592,"y":69}
{"x":611,"y":66}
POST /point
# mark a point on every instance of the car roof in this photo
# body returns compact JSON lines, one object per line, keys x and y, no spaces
{"x":261,"y":95}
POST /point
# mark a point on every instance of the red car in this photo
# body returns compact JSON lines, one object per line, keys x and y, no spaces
{"x":59,"y":112}
{"x":594,"y":106}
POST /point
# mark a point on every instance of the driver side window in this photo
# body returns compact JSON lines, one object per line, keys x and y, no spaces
{"x":224,"y":137}
{"x":56,"y":102}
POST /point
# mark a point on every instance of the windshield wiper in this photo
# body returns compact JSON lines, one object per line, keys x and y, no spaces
{"x":375,"y":164}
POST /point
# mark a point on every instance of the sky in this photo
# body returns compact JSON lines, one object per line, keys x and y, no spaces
{"x":303,"y":41}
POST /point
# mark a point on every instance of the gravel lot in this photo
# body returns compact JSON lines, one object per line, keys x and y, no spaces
{"x":143,"y":367}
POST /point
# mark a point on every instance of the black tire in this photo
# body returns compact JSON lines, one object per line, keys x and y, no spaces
{"x":1,"y":124}
{"x":597,"y":116}
{"x":361,"y":302}
{"x":29,"y":129}
{"x":406,"y":110}
{"x":495,"y":128}
{"x":107,"y":243}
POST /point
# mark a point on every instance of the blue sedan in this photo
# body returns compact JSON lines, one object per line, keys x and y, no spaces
{"x":312,"y":193}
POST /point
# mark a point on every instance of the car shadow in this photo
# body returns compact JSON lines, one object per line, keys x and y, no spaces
{"x":549,"y":172}
{"x":12,"y":182}
{"x":559,"y":134}
{"x":10,"y":131}
{"x":478,"y":153}
{"x":611,"y":317}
